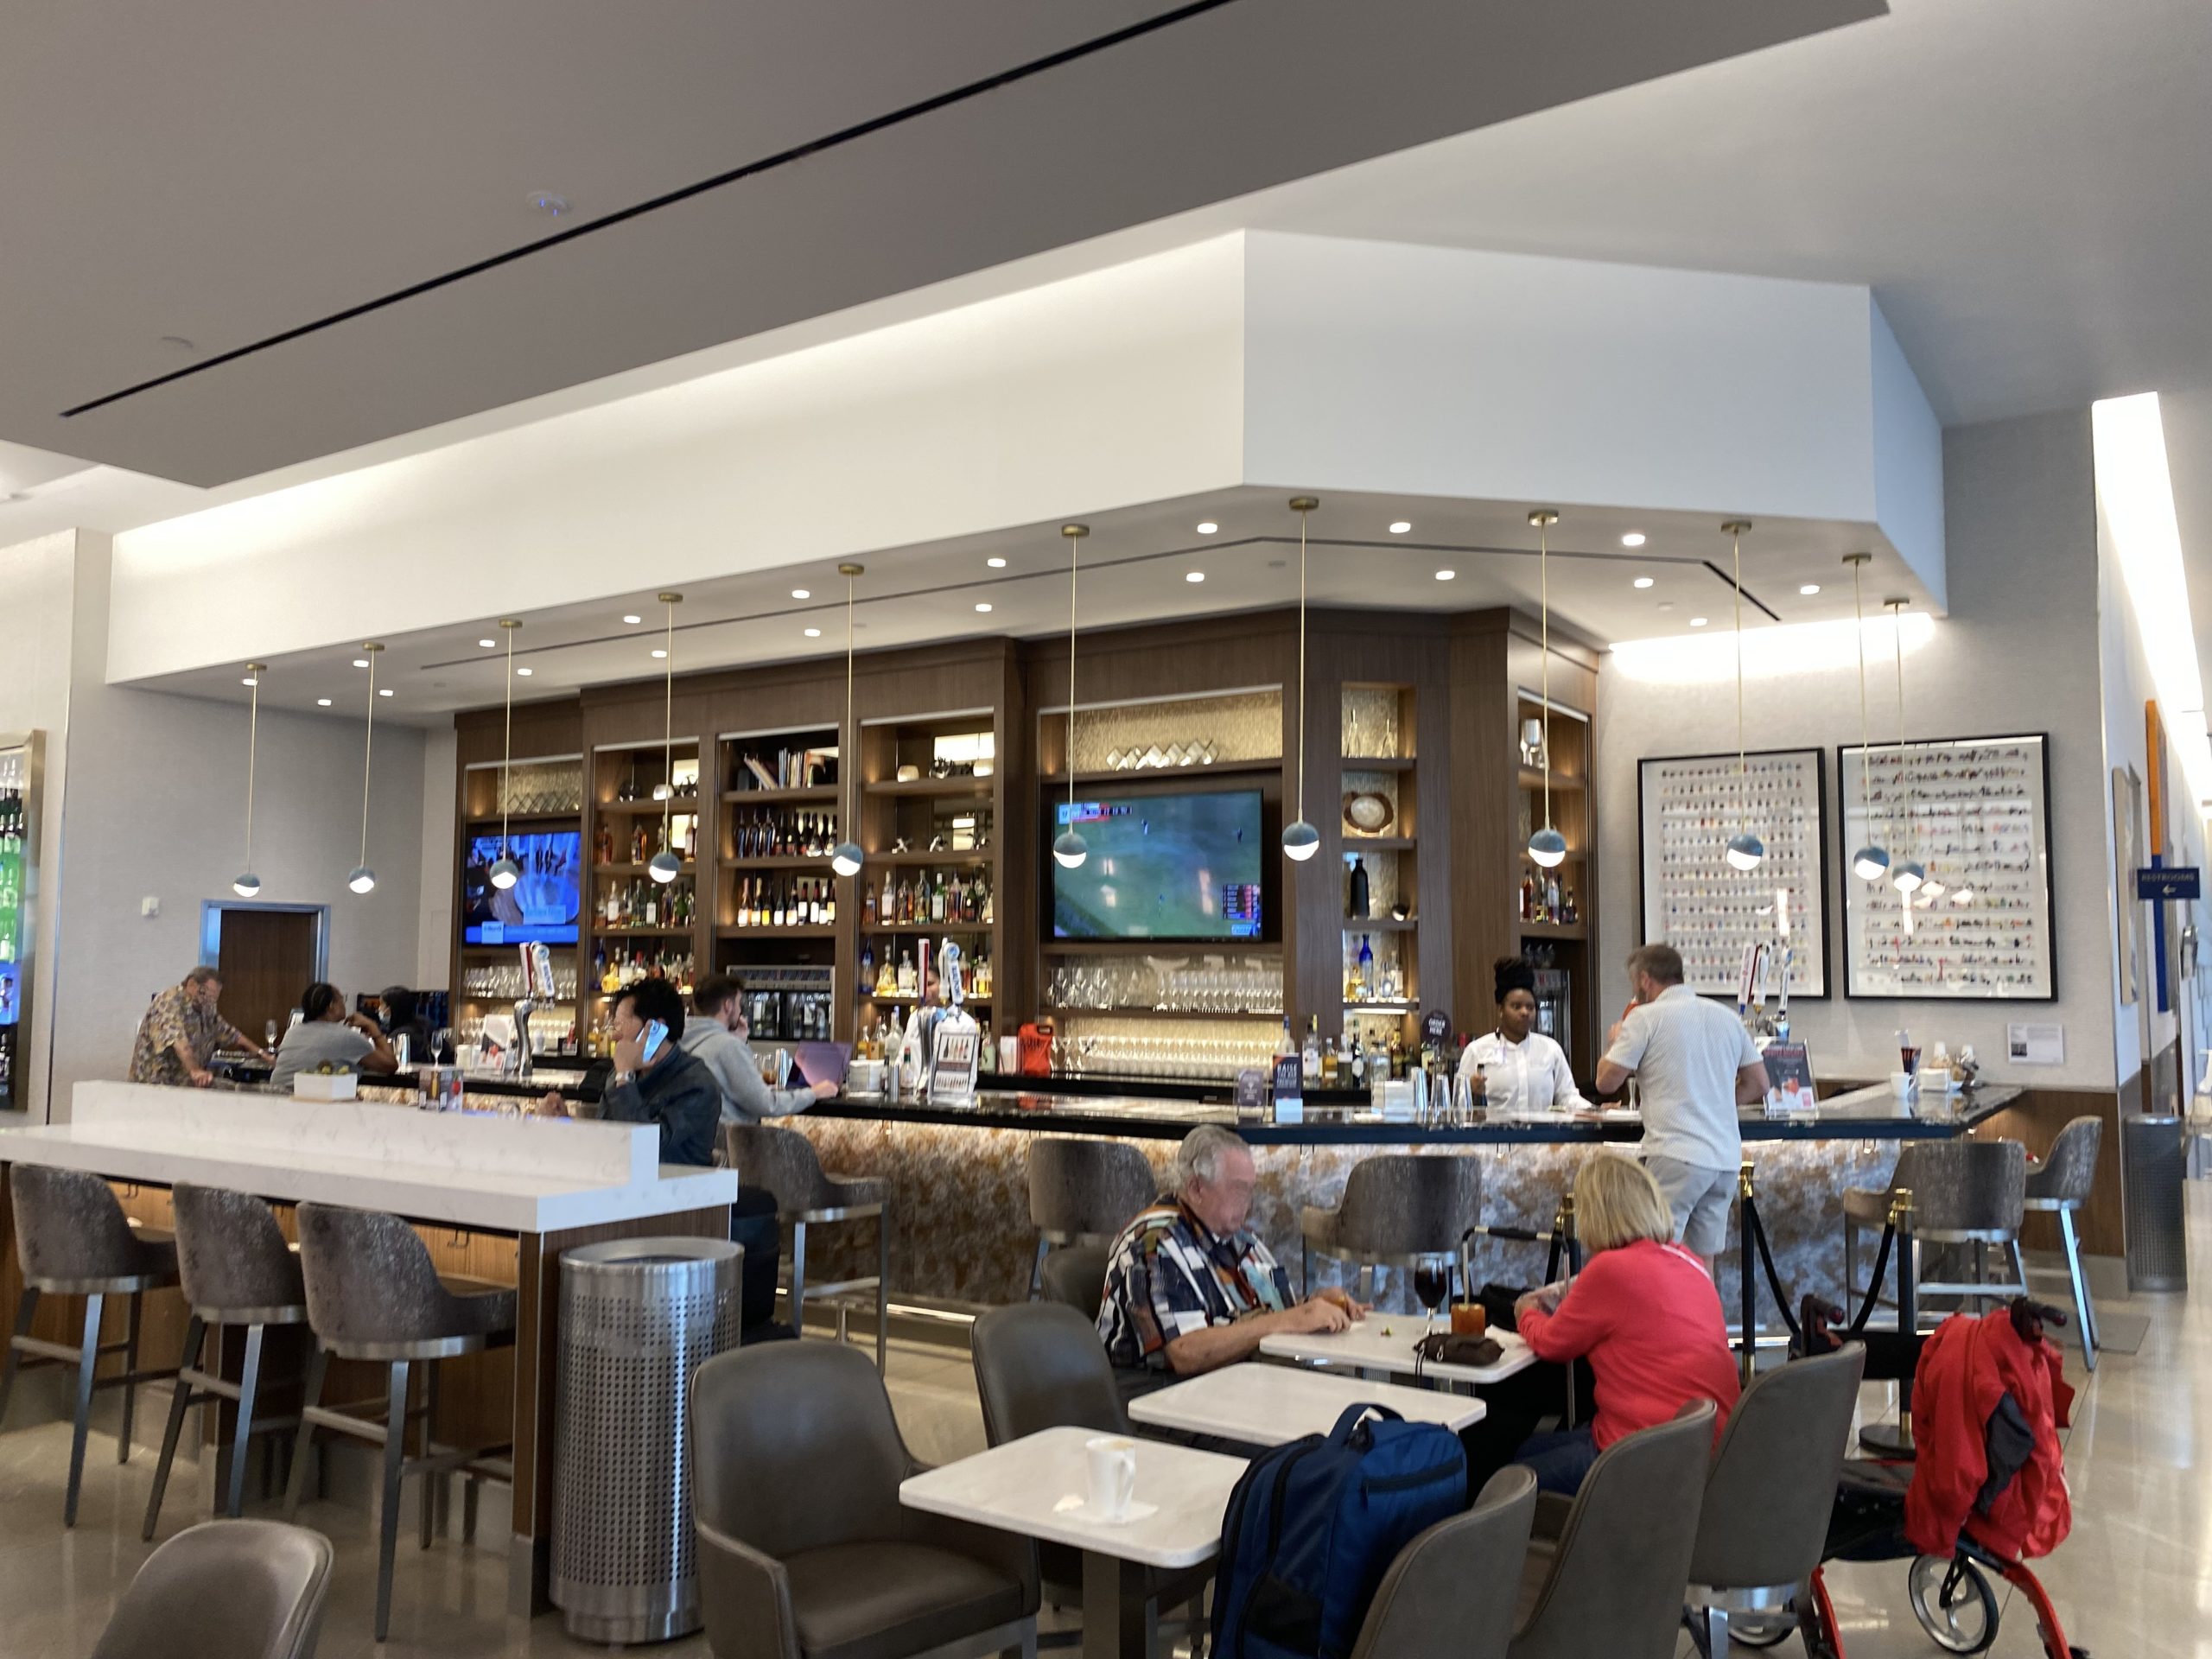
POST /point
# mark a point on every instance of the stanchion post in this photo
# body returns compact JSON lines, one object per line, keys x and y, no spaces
{"x":1744,"y":1251}
{"x":1879,"y":1437}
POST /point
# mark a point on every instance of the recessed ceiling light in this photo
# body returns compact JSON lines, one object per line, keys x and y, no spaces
{"x":801,"y":593}
{"x":384,"y":691}
{"x":983,"y":606}
{"x":1446,"y":576}
{"x":1697,"y":621}
{"x":1633,"y":539}
{"x":323,"y":702}
{"x":1398,"y":527}
{"x":1194,"y":576}
{"x":525,"y":672}
{"x":178,"y":343}
{"x":361,"y":662}
{"x":487,"y":644}
{"x":995,"y":564}
{"x":634,"y":621}
{"x":248,"y":680}
{"x":545,"y":202}
{"x":814,"y":633}
{"x":1643,"y":582}
{"x":658,"y":652}
{"x":1810,"y":589}
{"x":1208,"y":527}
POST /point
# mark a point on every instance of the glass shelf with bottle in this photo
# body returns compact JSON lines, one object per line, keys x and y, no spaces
{"x":944,"y":898}
{"x":894,"y":977}
{"x":639,"y":904}
{"x":782,"y":901}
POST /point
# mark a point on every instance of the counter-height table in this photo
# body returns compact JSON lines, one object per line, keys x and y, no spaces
{"x":528,"y":1188}
{"x":1385,"y":1342}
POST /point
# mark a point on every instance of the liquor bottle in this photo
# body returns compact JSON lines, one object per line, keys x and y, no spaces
{"x":886,"y":978}
{"x":830,"y":902}
{"x":629,"y":789}
{"x":1397,"y":1054}
{"x":613,"y":904}
{"x":1309,"y":1058}
{"x":1570,"y":913}
{"x":908,"y":983}
{"x":984,"y":909}
{"x":1358,"y":910}
{"x":937,"y":901}
{"x":1284,"y":1048}
{"x":599,"y":966}
{"x":602,"y":846}
{"x":868,"y":902}
{"x":1551,"y":897}
{"x":744,"y":916}
{"x":1359,"y":1065}
{"x":1528,"y":897}
{"x":652,"y":907}
{"x":1366,"y":970}
{"x":868,"y":965}
{"x":1330,"y":1065}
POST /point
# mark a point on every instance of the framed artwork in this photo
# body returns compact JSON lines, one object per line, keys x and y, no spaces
{"x":1974,"y":813}
{"x":1694,"y":900}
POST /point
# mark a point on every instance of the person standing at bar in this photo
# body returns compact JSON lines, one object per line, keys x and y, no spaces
{"x":1521,"y":1069}
{"x":183,"y":1029}
{"x":1695,"y":1063}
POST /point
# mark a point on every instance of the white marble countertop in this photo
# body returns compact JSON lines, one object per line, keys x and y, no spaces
{"x":1384,"y":1342}
{"x":1267,"y":1405}
{"x":500,"y":1172}
{"x":1023,"y":1486}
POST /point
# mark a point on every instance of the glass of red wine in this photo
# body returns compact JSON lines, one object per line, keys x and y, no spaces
{"x":1433,"y":1284}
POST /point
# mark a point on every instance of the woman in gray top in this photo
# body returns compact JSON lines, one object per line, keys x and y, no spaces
{"x":326,"y":1032}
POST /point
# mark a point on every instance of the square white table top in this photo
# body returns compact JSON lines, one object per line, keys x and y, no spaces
{"x":1267,"y":1405}
{"x":1017,"y":1486}
{"x":1384,"y":1342}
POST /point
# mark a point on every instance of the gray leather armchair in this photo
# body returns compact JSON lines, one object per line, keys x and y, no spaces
{"x":224,"y":1590}
{"x":806,"y":1551}
{"x":1450,"y":1593}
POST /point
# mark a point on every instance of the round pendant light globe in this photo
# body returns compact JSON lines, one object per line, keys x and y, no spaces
{"x":363,"y":879}
{"x":505,"y":872}
{"x":665,"y":866}
{"x":1745,"y":851}
{"x":1869,"y":862}
{"x":1547,"y":847}
{"x":1908,"y":876}
{"x":846,"y":858}
{"x":246,"y":885}
{"x":1069,"y":850}
{"x":1300,"y":839}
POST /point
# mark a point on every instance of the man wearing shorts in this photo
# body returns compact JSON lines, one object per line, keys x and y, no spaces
{"x":1695,"y":1063}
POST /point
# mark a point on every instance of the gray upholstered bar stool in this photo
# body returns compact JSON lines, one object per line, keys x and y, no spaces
{"x":783,"y":1163}
{"x":1083,"y":1190}
{"x":1970,"y":1193}
{"x":373,"y":1294}
{"x":2060,"y":1185}
{"x":1397,"y":1208}
{"x":73,"y":1239}
{"x":238,"y":1270}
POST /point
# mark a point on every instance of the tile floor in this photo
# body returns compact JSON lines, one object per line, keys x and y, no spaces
{"x":2134,"y":1579}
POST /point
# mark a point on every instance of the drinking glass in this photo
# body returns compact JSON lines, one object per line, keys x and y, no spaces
{"x":1432,"y":1283}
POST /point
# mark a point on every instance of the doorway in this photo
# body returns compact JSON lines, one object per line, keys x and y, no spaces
{"x":267,"y":954}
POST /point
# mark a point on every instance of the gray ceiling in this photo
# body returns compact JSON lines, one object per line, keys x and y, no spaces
{"x":181,"y":183}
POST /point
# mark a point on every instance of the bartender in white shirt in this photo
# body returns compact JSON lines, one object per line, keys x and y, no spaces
{"x":1526,"y":1071}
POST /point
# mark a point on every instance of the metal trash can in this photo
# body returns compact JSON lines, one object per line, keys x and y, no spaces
{"x":637,"y":1317}
{"x":2154,"y":1157}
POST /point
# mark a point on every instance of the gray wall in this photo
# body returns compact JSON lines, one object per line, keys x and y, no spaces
{"x":2019,"y":652}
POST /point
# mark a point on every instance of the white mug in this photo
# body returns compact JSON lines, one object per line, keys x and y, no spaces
{"x":1113,"y":1474}
{"x":1901,"y":1084}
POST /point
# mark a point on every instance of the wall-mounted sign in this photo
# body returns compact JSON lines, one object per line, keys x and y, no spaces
{"x":2170,"y":882}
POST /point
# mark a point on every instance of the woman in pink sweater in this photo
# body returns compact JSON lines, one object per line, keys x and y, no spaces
{"x":1644,"y":1312}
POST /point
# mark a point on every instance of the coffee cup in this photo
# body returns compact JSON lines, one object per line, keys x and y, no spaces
{"x":1901,"y":1084}
{"x":1113,"y":1474}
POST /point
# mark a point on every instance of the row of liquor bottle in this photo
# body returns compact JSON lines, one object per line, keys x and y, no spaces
{"x":641,"y":842}
{"x":883,"y":1039}
{"x":786,"y":901}
{"x":14,"y":819}
{"x":931,"y":898}
{"x":613,"y":970}
{"x":1351,"y":1063}
{"x":886,"y":979}
{"x":766,"y":834}
{"x":504,"y":981}
{"x":641,"y":903}
{"x":1546,"y":900}
{"x":1368,"y":980}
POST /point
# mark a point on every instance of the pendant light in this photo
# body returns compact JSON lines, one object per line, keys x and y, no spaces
{"x":363,"y":879}
{"x":666,"y":866}
{"x":1547,"y":847}
{"x":505,"y":872}
{"x":1300,"y":839}
{"x":1907,"y":875}
{"x":1869,"y":862}
{"x":1744,"y":848}
{"x":846,"y":856}
{"x":248,"y":884}
{"x":1069,"y":849}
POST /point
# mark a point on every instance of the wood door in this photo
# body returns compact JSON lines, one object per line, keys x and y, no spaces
{"x":267,"y":958}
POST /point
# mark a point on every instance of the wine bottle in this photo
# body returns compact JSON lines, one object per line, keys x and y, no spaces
{"x":1357,"y":909}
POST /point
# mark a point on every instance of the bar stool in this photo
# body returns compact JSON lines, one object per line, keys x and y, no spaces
{"x":1397,"y":1208}
{"x":238,"y":1270}
{"x":1083,"y":1190}
{"x":2060,"y":1185}
{"x":1963,"y":1192}
{"x":73,"y":1239}
{"x":373,"y":1294}
{"x":783,"y":1163}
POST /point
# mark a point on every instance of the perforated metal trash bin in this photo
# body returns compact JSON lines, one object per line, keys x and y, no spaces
{"x":637,"y":1317}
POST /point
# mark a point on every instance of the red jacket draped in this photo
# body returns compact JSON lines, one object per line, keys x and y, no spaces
{"x":1966,"y":1367}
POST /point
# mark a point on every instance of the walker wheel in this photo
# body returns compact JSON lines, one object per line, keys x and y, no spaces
{"x":1953,"y":1603}
{"x":1762,"y":1629}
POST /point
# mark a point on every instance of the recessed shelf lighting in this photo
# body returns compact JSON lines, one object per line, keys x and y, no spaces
{"x":1809,"y":589}
{"x":1208,"y":527}
{"x":1398,"y":527}
{"x":1446,"y":576}
{"x":983,"y":605}
{"x":1633,"y":539}
{"x":1697,"y":621}
{"x":487,"y":644}
{"x":548,"y":202}
{"x":248,"y":680}
{"x":995,"y":564}
{"x":814,"y":633}
{"x":801,"y":593}
{"x":634,"y":621}
{"x":525,"y":672}
{"x":323,"y":702}
{"x":361,"y":662}
{"x":1643,"y":582}
{"x":1194,"y":576}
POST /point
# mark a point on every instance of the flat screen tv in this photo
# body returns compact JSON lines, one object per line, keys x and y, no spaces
{"x":1175,"y":867}
{"x":542,"y":907}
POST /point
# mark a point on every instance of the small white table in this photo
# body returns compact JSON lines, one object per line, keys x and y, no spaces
{"x":1019,"y":1487}
{"x":1364,"y":1347}
{"x":1267,"y":1405}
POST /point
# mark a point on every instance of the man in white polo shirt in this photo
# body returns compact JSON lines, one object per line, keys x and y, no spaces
{"x":1694,"y":1063}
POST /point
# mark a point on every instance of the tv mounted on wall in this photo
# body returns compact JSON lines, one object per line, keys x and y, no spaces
{"x":1178,"y":867}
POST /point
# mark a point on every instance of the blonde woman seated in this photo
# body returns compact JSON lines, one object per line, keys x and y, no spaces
{"x":1644,"y":1312}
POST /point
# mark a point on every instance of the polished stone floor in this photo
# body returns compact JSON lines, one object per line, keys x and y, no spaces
{"x":2134,"y":1579}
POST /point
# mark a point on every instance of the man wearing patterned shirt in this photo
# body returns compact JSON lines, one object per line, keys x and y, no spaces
{"x":181,"y":1031}
{"x":1187,"y":1288}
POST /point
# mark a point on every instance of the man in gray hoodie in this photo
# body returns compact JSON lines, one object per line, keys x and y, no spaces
{"x":716,"y":1038}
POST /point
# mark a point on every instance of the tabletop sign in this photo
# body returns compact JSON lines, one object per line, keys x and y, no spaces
{"x":1788,"y":1080}
{"x":1251,"y":1091}
{"x":1289,"y":1090}
{"x":1435,"y":1026}
{"x":953,"y":1061}
{"x":2170,"y":882}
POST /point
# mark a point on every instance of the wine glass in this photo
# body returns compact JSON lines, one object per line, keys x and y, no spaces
{"x":1432,"y":1283}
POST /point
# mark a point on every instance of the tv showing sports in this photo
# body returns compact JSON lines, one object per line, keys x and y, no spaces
{"x":1176,"y":868}
{"x":540,"y":908}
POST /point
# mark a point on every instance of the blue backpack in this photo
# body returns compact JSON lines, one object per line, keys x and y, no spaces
{"x":1313,"y":1525}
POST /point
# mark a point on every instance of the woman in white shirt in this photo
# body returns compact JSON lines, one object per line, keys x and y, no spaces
{"x":1526,"y":1071}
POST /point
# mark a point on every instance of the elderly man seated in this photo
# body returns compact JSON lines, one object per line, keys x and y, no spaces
{"x":1188,"y":1289}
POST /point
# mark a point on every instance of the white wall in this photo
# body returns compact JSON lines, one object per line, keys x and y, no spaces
{"x":2019,"y":652}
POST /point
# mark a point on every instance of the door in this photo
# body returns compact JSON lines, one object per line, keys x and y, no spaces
{"x":266,"y":958}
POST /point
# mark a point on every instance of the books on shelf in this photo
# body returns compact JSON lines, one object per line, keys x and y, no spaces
{"x":791,"y":768}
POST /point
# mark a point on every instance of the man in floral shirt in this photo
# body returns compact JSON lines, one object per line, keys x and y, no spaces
{"x":181,"y":1031}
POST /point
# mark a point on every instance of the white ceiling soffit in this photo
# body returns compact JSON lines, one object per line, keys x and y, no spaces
{"x":241,"y":238}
